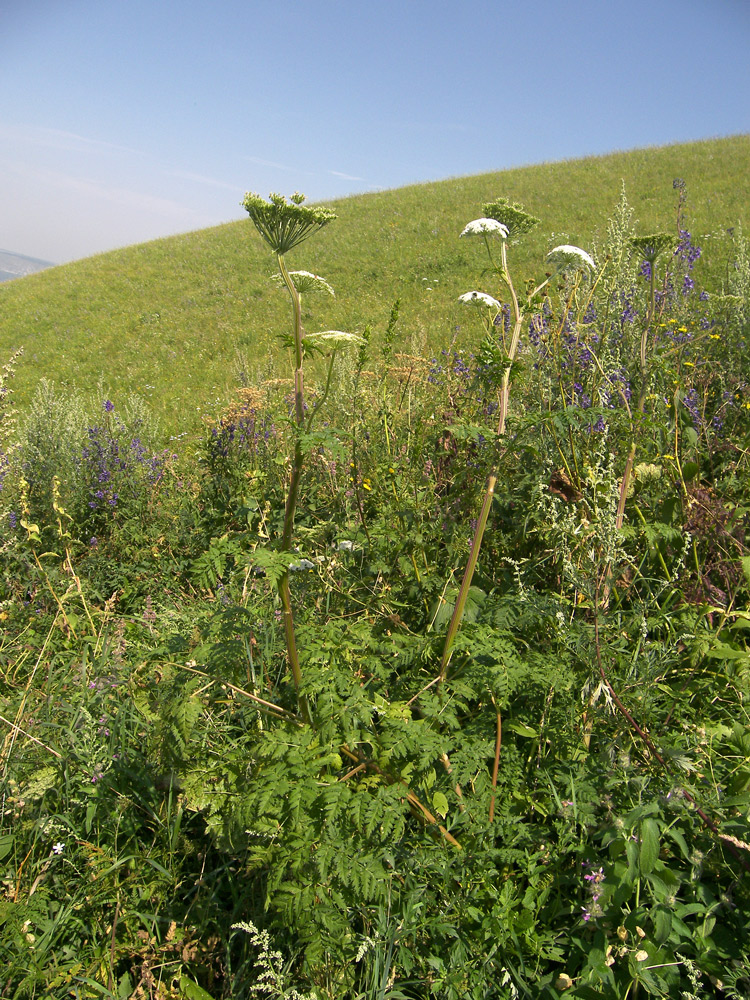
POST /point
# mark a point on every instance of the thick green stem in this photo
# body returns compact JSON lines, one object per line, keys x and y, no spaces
{"x":489,"y":493}
{"x":463,"y":593}
{"x":299,"y":408}
{"x":293,"y":493}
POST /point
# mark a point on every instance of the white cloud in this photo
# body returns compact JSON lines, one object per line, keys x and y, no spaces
{"x":345,"y":177}
{"x":269,"y":163}
{"x":201,"y":179}
{"x":53,"y":138}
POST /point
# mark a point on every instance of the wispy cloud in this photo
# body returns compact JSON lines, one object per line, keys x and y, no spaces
{"x":200,"y":179}
{"x":54,"y":138}
{"x":115,"y":196}
{"x":345,"y":177}
{"x":270,"y":163}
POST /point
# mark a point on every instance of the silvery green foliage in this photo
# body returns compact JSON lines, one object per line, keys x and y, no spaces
{"x":620,"y":273}
{"x":7,"y":412}
{"x":8,"y":442}
{"x":739,"y":277}
{"x":271,"y":974}
{"x":50,"y":437}
{"x":583,"y":546}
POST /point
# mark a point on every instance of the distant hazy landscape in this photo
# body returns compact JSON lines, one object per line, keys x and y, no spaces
{"x":16,"y":265}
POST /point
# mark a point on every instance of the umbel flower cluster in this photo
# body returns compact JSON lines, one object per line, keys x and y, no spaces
{"x":285,"y":224}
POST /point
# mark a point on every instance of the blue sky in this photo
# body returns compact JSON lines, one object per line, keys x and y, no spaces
{"x":125,"y":120}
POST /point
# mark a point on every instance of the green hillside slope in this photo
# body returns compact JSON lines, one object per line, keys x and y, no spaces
{"x":174,"y":319}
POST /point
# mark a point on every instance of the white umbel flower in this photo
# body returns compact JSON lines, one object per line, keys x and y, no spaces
{"x":479,"y":299}
{"x":334,"y":337}
{"x":569,"y":256}
{"x":305,"y":281}
{"x":486,"y":227}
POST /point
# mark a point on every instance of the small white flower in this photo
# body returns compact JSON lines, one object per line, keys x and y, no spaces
{"x":479,"y":299}
{"x":570,"y":256}
{"x":301,"y":565}
{"x":58,"y":848}
{"x":486,"y":227}
{"x":641,"y":956}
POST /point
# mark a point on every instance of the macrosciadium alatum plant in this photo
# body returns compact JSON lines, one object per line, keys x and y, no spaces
{"x":501,"y":223}
{"x":284,"y":225}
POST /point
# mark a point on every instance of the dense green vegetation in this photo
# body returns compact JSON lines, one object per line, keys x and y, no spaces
{"x":178,"y":320}
{"x":421,"y":667}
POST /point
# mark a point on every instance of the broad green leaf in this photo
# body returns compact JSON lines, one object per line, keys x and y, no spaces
{"x":690,"y":437}
{"x":520,"y":728}
{"x":662,"y":925}
{"x":90,"y":813}
{"x":649,"y":851}
{"x":440,"y":804}
{"x":192,"y":990}
{"x":678,"y":838}
{"x":631,"y":849}
{"x":690,"y":470}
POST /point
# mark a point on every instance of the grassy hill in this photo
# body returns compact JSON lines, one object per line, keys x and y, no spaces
{"x":173,"y":320}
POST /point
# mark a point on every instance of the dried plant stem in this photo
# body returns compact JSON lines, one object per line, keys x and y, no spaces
{"x":265,"y":706}
{"x":417,"y":807}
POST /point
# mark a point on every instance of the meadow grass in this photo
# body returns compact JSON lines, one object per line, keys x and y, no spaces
{"x":176,"y":319}
{"x":264,"y":734}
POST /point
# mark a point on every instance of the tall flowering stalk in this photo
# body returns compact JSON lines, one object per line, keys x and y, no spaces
{"x":505,"y":222}
{"x":284,"y":225}
{"x":650,"y":248}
